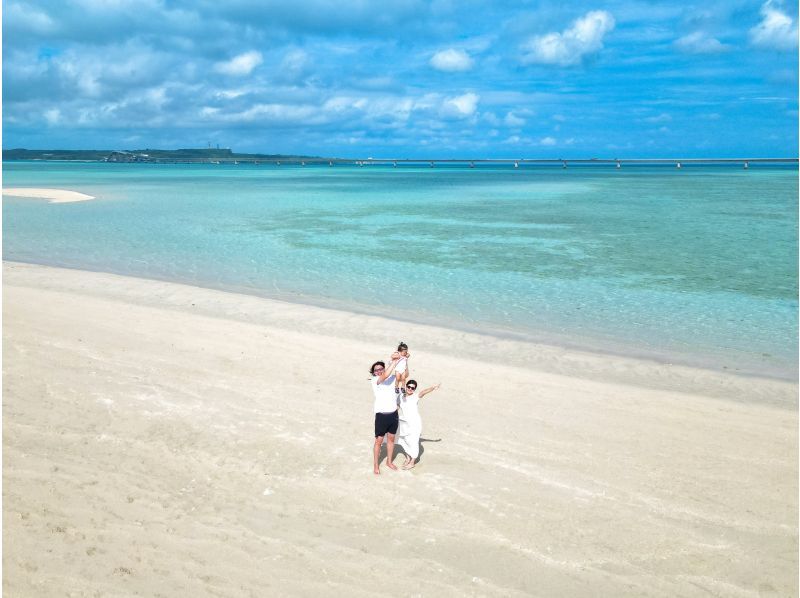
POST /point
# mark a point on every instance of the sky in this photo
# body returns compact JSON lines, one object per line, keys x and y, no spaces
{"x":406,"y":78}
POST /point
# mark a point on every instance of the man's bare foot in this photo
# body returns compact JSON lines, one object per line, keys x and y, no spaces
{"x":409,"y":465}
{"x":391,"y":466}
{"x":376,"y":471}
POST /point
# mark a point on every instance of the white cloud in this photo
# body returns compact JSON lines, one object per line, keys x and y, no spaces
{"x":479,"y":43}
{"x":428,"y":102}
{"x":83,"y":76}
{"x":230,"y":94}
{"x":491,"y":118}
{"x":547,"y":141}
{"x":121,"y":67}
{"x":278,"y":113}
{"x":512,"y":120}
{"x":53,"y":116}
{"x":28,"y":18}
{"x":699,"y":42}
{"x":342,"y":104}
{"x":461,"y":106}
{"x":661,"y":118}
{"x":295,"y":59}
{"x":240,"y":65}
{"x":569,"y":47}
{"x":294,"y":66}
{"x":776,"y":31}
{"x":451,"y":60}
{"x":386,"y":109}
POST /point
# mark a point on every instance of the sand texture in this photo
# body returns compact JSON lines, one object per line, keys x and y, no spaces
{"x":51,"y":195}
{"x":167,"y":440}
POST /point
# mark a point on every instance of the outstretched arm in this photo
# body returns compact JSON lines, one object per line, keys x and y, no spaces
{"x":422,"y":393}
{"x":389,"y":368}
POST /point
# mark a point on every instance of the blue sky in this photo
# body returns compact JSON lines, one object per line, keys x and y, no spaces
{"x":404,"y":78}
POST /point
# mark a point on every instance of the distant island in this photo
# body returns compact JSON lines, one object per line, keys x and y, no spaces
{"x":210,"y":155}
{"x":228,"y":156}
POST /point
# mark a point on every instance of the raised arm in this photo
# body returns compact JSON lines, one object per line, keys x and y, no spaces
{"x":389,"y":368}
{"x":422,"y":393}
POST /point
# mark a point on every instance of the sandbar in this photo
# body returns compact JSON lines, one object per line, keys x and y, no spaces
{"x":164,"y":439}
{"x":51,"y":195}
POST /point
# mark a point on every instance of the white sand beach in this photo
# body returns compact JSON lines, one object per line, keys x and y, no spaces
{"x":51,"y":195}
{"x":167,"y":440}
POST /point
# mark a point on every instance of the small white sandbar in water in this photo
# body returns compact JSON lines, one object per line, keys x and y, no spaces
{"x":51,"y":195}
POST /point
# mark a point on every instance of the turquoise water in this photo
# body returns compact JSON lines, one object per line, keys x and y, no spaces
{"x":697,"y":265}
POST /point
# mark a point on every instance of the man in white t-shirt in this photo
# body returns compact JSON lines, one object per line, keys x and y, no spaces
{"x":386,"y":418}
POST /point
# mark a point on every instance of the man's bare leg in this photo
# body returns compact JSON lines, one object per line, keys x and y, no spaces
{"x":376,"y":454}
{"x":390,"y":452}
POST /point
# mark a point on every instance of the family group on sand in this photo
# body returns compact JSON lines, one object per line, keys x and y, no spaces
{"x":396,"y":409}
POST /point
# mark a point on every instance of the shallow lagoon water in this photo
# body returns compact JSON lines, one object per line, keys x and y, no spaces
{"x":697,"y":265}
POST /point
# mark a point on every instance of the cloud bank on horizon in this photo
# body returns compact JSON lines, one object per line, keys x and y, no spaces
{"x":409,"y":78}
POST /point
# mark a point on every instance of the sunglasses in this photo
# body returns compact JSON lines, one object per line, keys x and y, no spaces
{"x":411,"y":388}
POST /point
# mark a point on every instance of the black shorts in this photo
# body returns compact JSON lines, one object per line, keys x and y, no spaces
{"x":386,"y":423}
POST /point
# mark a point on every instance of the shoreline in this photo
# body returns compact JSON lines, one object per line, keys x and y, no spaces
{"x":518,"y":349}
{"x":171,"y":439}
{"x":588,"y":344}
{"x":50,"y":195}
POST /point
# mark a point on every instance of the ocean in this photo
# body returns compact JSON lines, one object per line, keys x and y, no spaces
{"x":696,"y":265}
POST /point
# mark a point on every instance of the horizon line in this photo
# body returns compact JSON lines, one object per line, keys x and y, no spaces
{"x":311,"y":157}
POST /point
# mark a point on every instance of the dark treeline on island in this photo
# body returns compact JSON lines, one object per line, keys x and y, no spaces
{"x":208,"y":156}
{"x":227,"y":156}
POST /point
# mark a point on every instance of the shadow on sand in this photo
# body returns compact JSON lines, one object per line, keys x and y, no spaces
{"x":398,"y":450}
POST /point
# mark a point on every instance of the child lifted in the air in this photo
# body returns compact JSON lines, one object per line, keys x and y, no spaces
{"x":401,"y":369}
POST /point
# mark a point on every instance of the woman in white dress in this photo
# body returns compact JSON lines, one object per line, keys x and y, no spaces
{"x":410,"y":428}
